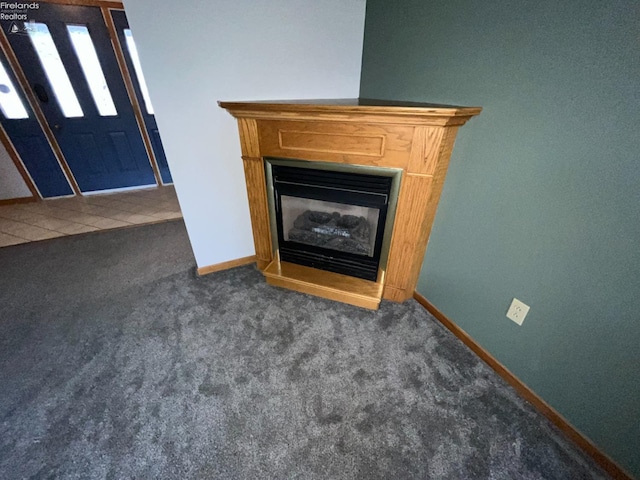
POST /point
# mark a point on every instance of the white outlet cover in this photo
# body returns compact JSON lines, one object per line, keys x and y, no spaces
{"x":517,"y":311}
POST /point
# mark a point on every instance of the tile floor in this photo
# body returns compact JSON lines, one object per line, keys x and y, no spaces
{"x":68,"y":216}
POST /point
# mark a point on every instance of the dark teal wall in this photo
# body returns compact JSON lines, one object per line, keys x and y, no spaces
{"x":542,"y":199}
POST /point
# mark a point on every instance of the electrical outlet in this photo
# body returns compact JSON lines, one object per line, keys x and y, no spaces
{"x":517,"y":311}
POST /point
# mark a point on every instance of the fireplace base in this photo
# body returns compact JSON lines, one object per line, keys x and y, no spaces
{"x":334,"y":286}
{"x":414,"y":138}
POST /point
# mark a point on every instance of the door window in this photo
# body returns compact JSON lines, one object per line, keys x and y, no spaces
{"x":133,"y":53}
{"x":10,"y":103}
{"x":86,"y":53}
{"x":54,"y":69}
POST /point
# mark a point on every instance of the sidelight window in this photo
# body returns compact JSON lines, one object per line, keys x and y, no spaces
{"x":10,"y":103}
{"x":133,"y":53}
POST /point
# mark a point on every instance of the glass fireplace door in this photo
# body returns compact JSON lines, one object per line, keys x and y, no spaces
{"x":331,"y":220}
{"x":334,"y":226}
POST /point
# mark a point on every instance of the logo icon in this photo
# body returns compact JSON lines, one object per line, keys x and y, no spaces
{"x":16,"y":29}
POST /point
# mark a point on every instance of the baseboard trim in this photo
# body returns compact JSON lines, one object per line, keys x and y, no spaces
{"x":15,"y":201}
{"x":218,"y":267}
{"x":569,"y":430}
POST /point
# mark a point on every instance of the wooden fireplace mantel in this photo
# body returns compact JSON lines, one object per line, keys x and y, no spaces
{"x":415,"y":137}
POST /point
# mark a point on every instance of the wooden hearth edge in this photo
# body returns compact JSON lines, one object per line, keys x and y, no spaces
{"x":321,"y":283}
{"x":218,"y":267}
{"x":543,"y":407}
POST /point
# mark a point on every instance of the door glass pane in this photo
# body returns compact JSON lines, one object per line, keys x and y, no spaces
{"x":53,"y":67}
{"x":10,"y":103}
{"x":86,"y":52}
{"x":133,"y":53}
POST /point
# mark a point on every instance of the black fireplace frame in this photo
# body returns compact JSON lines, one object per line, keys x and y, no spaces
{"x":366,"y":186}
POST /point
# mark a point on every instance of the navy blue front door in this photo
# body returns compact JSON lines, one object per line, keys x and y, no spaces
{"x":94,"y":125}
{"x":27,"y":137}
{"x":126,"y":42}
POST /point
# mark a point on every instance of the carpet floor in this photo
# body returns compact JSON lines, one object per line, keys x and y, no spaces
{"x":117,"y":361}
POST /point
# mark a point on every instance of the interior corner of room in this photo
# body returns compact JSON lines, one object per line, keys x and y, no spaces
{"x":541,"y":198}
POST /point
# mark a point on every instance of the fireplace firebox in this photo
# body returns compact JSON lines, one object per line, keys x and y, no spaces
{"x":332,"y":218}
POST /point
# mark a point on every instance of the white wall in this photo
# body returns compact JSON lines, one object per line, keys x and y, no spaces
{"x":196,"y":52}
{"x":11,"y":183}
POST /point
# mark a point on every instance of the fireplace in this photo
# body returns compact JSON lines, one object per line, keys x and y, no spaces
{"x":317,"y":226}
{"x":332,"y":217}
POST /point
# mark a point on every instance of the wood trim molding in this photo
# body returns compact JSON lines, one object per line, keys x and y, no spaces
{"x":607,"y":464}
{"x":17,"y":161}
{"x":15,"y":201}
{"x":128,"y":83}
{"x":37,"y":111}
{"x":218,"y":267}
{"x":346,"y":111}
{"x":249,"y":143}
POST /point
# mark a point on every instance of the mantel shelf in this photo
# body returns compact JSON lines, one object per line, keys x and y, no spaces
{"x":354,"y":110}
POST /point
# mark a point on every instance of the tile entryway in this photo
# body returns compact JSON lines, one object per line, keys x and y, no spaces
{"x":68,"y":216}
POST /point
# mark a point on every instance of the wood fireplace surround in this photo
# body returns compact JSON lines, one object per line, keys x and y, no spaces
{"x":414,"y":137}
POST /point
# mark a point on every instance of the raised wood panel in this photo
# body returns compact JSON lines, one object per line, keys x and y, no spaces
{"x":372,"y":146}
{"x":258,"y":209}
{"x":377,"y":145}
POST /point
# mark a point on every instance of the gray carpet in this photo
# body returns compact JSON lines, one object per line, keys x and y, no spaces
{"x":117,"y":361}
